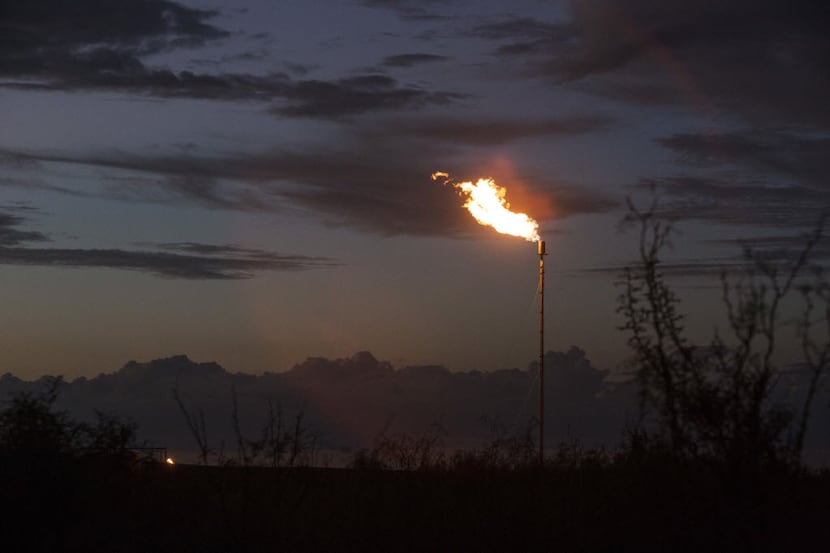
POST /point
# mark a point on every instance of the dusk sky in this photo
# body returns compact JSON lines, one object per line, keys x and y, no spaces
{"x":249,"y":182}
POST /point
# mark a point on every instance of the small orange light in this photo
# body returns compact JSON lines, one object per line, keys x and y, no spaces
{"x":170,"y":461}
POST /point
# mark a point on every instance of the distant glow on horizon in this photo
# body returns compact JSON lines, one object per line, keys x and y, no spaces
{"x":487,"y":204}
{"x":170,"y":461}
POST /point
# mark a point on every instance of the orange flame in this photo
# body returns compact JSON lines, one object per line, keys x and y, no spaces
{"x":486,"y":203}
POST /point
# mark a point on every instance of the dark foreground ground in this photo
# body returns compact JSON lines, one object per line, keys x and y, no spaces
{"x":114,"y":506}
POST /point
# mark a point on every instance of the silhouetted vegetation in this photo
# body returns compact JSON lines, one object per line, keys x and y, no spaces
{"x":714,"y":403}
{"x":282,"y":442}
{"x":714,"y":464}
{"x":633,"y":500}
{"x":31,"y":427}
{"x":53,"y":469}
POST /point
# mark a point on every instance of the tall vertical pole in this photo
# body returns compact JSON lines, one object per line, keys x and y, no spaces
{"x":541,"y":353}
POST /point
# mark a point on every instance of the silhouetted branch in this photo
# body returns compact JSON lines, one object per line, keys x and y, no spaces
{"x":196,"y":425}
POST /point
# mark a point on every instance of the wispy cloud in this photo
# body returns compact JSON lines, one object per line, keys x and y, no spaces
{"x":781,"y":249}
{"x":147,"y":25}
{"x":487,"y":131}
{"x":748,"y":58}
{"x":388,"y":192}
{"x":731,"y":200}
{"x":742,"y":257}
{"x":410,"y":60}
{"x":790,"y":156}
{"x":412,"y":10}
{"x":11,"y":236}
{"x":186,"y":260}
{"x":163,"y":264}
{"x":354,"y":95}
{"x":48,"y":45}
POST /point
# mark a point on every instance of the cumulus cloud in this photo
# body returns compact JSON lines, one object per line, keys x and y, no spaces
{"x":350,"y":401}
{"x":347,"y":402}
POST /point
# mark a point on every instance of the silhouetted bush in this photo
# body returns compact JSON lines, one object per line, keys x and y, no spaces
{"x":638,"y":499}
{"x":714,"y":402}
{"x":30,"y":425}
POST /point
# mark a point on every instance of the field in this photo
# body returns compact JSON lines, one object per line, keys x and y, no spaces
{"x":586,"y":504}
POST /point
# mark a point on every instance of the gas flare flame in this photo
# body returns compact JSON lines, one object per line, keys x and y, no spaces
{"x":486,"y":203}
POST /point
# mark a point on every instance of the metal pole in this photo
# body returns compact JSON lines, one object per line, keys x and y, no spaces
{"x":541,"y":353}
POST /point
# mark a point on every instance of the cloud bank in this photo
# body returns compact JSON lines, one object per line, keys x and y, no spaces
{"x":350,"y":401}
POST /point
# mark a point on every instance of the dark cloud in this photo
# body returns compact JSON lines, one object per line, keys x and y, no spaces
{"x":11,"y":236}
{"x":214,"y":249}
{"x":409,"y":60}
{"x":758,"y":177}
{"x":527,"y":43}
{"x":32,"y":28}
{"x":388,"y":191}
{"x":791,"y":157}
{"x":19,"y":206}
{"x":412,"y":10}
{"x":180,"y":187}
{"x":744,"y":252}
{"x":93,"y":45}
{"x":488,"y":131}
{"x":303,"y":98}
{"x":774,"y":242}
{"x":747,"y":57}
{"x":230,"y":266}
{"x":572,"y":200}
{"x":781,"y":249}
{"x":715,"y":266}
{"x":708,"y":202}
{"x":728,"y":199}
{"x":188,"y":260}
{"x":354,"y":95}
{"x":299,"y":68}
{"x":111,"y":71}
{"x":350,"y":401}
{"x":517,"y":28}
{"x":712,"y":267}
